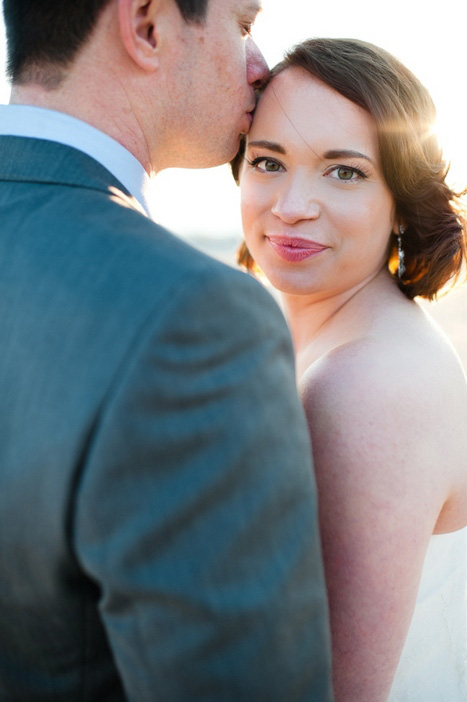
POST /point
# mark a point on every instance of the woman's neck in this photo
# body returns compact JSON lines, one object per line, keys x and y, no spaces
{"x":319,"y":323}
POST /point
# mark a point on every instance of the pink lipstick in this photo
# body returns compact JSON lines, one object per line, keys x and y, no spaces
{"x":294,"y":249}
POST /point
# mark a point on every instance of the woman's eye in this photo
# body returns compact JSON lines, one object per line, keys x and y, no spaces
{"x":265,"y":165}
{"x":346,"y":173}
{"x":271,"y":166}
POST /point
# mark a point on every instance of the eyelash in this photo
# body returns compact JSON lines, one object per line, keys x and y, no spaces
{"x":261,"y":159}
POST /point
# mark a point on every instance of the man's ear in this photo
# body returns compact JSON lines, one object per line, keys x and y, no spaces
{"x":138,"y":29}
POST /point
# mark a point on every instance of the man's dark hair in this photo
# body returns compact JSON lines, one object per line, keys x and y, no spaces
{"x":44,"y":36}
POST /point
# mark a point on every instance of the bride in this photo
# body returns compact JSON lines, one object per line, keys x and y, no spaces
{"x":346,"y":211}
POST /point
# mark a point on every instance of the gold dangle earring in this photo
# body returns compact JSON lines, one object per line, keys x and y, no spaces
{"x":401,"y":266}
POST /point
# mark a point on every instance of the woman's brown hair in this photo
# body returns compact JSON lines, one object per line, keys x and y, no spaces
{"x":434,"y":238}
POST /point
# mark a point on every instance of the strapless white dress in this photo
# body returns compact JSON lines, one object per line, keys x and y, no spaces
{"x":433,"y":664}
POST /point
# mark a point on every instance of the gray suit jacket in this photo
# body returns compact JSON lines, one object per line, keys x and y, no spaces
{"x":158,"y":532}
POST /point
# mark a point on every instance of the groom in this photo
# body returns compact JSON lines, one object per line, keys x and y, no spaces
{"x":158,"y":527}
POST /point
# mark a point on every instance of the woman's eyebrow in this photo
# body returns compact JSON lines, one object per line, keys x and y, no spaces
{"x":269,"y":145}
{"x":346,"y":153}
{"x":331,"y":154}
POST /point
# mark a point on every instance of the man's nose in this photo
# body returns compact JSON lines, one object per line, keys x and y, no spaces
{"x":256,"y":66}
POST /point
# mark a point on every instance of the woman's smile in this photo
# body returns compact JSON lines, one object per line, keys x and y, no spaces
{"x":295,"y":249}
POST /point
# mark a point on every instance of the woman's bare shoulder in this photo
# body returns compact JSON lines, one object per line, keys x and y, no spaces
{"x":392,"y":410}
{"x":409,"y":364}
{"x":359,"y":373}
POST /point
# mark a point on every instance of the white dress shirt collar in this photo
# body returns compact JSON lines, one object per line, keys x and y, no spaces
{"x":40,"y":123}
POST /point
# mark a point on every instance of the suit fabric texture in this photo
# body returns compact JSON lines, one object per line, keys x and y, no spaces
{"x":158,"y":535}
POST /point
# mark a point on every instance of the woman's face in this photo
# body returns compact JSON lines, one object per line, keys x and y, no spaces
{"x":316,"y":211}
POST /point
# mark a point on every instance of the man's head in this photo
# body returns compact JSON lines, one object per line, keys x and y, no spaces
{"x":173,"y":80}
{"x":44,"y":36}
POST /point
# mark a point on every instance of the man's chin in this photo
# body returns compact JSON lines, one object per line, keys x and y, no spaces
{"x":217,"y":155}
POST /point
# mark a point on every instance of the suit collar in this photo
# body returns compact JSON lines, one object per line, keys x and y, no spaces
{"x":24,"y":159}
{"x":51,"y":125}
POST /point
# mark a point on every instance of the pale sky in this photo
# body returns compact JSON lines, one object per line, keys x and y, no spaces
{"x":429,"y":38}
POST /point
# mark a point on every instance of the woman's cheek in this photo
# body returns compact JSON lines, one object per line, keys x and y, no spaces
{"x":254,"y":204}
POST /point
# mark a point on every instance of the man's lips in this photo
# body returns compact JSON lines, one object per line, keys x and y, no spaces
{"x":249,"y":121}
{"x":295,"y":249}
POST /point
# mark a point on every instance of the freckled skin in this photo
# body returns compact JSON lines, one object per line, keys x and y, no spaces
{"x":213,"y":86}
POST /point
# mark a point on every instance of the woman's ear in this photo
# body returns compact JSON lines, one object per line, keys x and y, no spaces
{"x":138,"y":30}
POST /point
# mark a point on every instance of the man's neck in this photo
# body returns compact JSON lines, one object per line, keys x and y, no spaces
{"x":115,"y":119}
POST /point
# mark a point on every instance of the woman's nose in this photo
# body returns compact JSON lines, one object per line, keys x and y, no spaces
{"x":296,"y":203}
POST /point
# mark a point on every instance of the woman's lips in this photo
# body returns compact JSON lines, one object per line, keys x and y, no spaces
{"x":295,"y":249}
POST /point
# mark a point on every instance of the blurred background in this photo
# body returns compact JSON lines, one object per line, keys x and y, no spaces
{"x":428,"y":37}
